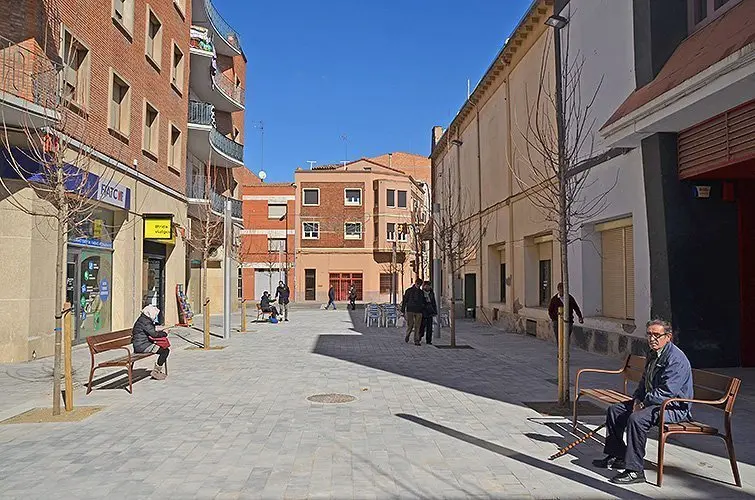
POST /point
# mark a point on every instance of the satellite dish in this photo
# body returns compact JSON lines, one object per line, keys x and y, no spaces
{"x":262,"y":175}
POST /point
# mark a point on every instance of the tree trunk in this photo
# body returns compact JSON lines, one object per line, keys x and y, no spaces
{"x":62,"y":217}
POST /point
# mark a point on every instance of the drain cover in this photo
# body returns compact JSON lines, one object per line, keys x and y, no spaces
{"x":331,"y":398}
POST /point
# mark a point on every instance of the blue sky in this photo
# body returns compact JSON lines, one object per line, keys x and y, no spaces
{"x":382,"y":72}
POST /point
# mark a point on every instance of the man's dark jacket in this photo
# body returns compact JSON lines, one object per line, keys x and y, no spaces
{"x":265,"y":303}
{"x":143,"y":329}
{"x":283,"y":294}
{"x":672,"y":379}
{"x":414,"y":300}
{"x":556,"y":302}
{"x":332,"y":294}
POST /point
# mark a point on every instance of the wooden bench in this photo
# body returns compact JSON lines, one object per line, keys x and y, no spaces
{"x":262,"y":315}
{"x":712,"y":389}
{"x":120,"y":339}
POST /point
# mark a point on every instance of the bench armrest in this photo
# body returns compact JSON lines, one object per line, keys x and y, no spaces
{"x":685,"y":400}
{"x":593,"y":370}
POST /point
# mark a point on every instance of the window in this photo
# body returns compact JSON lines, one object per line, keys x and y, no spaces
{"x":123,"y":15}
{"x":151,"y":131}
{"x":153,"y":39}
{"x":402,"y":199}
{"x":353,"y":230}
{"x":276,"y":244}
{"x":240,"y":283}
{"x":76,"y":70}
{"x":385,"y":283}
{"x":175,"y":153}
{"x":353,"y":196}
{"x":311,"y":230}
{"x":276,"y":210}
{"x":545,"y":254}
{"x":390,"y":197}
{"x":503,"y":282}
{"x":311,"y":197}
{"x":180,"y":5}
{"x":391,"y":232}
{"x":403,"y":231}
{"x":177,"y":69}
{"x":617,"y":268}
{"x":120,"y":105}
{"x":702,"y":12}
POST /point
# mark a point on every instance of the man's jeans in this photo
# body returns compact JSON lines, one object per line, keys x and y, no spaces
{"x":568,"y":326}
{"x":284,"y":310}
{"x":413,"y":322}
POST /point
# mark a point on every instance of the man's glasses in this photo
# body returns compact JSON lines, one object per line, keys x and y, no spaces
{"x":655,"y":336}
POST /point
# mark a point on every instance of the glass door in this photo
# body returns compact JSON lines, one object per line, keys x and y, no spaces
{"x":153,"y":284}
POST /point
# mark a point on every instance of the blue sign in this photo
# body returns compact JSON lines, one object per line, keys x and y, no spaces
{"x":91,"y":265}
{"x":92,"y":242}
{"x":83,"y":289}
{"x":104,"y":290}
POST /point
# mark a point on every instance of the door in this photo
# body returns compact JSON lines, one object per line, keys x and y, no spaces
{"x":310,"y":284}
{"x":746,"y":202}
{"x":153,"y":284}
{"x":342,"y":281}
{"x":470,"y":295}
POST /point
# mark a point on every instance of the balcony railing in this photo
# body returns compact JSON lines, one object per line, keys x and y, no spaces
{"x":196,"y":188}
{"x":229,"y":88}
{"x":221,"y":26}
{"x":201,"y":113}
{"x":28,"y":74}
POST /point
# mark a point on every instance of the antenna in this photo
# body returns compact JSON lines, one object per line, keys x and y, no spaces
{"x":468,"y":89}
{"x":311,"y":163}
{"x":345,"y":140}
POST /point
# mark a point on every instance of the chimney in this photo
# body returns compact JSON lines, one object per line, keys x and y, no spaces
{"x":390,"y":159}
{"x":436,"y":135}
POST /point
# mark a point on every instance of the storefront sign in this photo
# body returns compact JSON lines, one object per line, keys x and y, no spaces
{"x":114,"y":194}
{"x":702,"y":191}
{"x":158,"y":228}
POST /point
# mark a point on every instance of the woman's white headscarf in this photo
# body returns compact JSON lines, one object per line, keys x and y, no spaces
{"x":151,"y":312}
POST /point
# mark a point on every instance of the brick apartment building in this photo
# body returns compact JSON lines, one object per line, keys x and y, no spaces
{"x":215,"y":154}
{"x":348,"y":219}
{"x":267,"y":242}
{"x":111,"y":81}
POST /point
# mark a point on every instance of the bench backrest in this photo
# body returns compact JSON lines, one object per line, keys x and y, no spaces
{"x":716,"y":387}
{"x":634,"y":368}
{"x":109,"y":341}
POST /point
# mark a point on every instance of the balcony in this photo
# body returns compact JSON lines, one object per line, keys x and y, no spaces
{"x":207,"y":143}
{"x":226,"y":39}
{"x":208,"y":82}
{"x":29,"y":88}
{"x":198,"y":193}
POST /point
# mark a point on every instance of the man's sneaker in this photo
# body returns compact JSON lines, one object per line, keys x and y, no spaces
{"x":629,"y":477}
{"x":610,"y":462}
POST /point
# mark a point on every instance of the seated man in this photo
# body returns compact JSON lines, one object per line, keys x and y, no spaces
{"x":667,"y":375}
{"x":266,"y":305}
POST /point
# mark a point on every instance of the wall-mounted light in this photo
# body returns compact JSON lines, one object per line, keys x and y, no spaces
{"x":557,"y":22}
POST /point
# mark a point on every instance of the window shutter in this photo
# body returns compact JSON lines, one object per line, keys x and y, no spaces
{"x":629,"y":259}
{"x":612,"y":245}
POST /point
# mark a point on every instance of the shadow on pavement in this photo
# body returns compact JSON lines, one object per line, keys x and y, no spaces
{"x":119,"y":379}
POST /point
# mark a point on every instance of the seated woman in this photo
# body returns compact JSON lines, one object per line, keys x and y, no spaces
{"x":266,"y":306}
{"x":141,"y":337}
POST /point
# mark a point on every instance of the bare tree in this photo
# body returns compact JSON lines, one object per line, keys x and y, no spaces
{"x":206,"y":236}
{"x":559,"y":138}
{"x":456,"y":236}
{"x":52,"y":156}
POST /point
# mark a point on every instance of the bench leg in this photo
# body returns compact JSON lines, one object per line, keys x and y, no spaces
{"x":574,"y":423}
{"x":661,"y":446}
{"x":91,"y":376}
{"x":733,"y":459}
{"x":130,"y":379}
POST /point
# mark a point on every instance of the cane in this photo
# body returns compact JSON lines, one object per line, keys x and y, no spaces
{"x":565,"y":450}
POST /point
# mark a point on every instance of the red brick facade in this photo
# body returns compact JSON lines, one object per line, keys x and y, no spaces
{"x":332,"y":214}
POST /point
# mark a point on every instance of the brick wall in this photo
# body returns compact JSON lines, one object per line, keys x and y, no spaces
{"x":332,"y":214}
{"x":109,"y":47}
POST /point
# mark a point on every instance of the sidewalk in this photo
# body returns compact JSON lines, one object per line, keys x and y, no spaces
{"x":426,"y":423}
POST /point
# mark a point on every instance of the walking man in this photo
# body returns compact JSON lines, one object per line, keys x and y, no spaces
{"x":412,"y":307}
{"x":331,"y":298}
{"x":667,"y":375}
{"x":353,"y":297}
{"x":556,"y":302}
{"x":283,"y":295}
{"x":430,"y":310}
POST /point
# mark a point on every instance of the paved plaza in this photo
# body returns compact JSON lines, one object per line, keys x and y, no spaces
{"x":426,"y":423}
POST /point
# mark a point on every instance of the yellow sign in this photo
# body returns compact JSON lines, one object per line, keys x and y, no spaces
{"x":158,"y":228}
{"x":97,"y":228}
